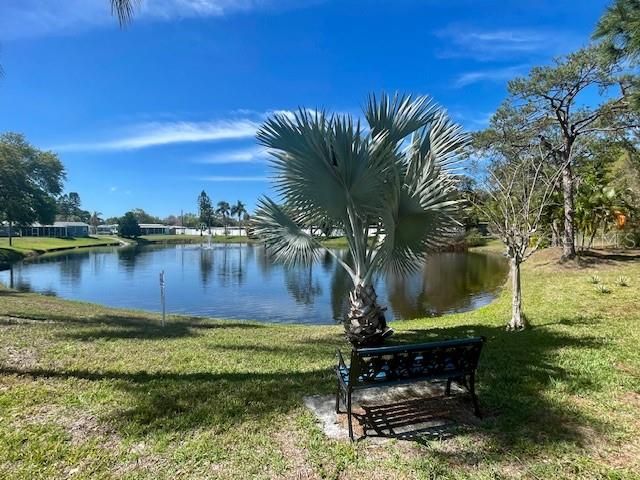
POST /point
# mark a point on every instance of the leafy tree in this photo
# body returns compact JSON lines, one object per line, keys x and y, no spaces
{"x":144,"y":217}
{"x":362,"y":179}
{"x":619,"y":31}
{"x":30,"y":180}
{"x":607,"y":190}
{"x":553,"y":97}
{"x":205,"y":208}
{"x":190,"y":220}
{"x":619,"y":28}
{"x":238,"y":210}
{"x":128,"y":226}
{"x":68,"y":208}
{"x":224,"y":210}
{"x":517,"y":187}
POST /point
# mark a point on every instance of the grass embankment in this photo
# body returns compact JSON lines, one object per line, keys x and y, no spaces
{"x":193,"y":239}
{"x":93,"y":392}
{"x":25,"y":246}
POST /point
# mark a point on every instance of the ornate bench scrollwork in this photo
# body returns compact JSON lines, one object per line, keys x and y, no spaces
{"x":450,"y":360}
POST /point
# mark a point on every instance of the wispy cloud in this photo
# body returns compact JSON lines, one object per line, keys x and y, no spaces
{"x":489,"y":75}
{"x":233,"y":178}
{"x":486,"y":45}
{"x":32,"y":18}
{"x":166,"y":133}
{"x":472,"y":119}
{"x":246,"y":155}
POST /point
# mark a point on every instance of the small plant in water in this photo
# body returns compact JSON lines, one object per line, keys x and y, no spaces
{"x":622,"y":281}
{"x":595,"y":279}
{"x":600,"y":288}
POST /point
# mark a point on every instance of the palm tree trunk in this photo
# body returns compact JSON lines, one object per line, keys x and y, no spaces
{"x":517,"y":318}
{"x":365,"y":324}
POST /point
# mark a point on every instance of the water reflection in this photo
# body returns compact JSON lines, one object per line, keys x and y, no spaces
{"x":244,"y":281}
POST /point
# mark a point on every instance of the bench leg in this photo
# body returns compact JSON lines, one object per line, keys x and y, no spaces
{"x":349,"y":415}
{"x":338,"y":398}
{"x":447,"y":391}
{"x":474,"y":397}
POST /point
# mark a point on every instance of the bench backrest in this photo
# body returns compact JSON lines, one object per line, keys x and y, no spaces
{"x":383,"y":365}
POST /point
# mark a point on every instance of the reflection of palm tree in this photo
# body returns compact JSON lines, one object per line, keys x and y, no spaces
{"x":206,"y":265}
{"x":265,"y":260}
{"x":300,"y":284}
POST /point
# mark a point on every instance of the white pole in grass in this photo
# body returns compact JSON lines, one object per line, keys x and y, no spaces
{"x":162,"y":285}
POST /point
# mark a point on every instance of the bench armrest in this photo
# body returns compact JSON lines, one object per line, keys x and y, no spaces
{"x":340,"y":359}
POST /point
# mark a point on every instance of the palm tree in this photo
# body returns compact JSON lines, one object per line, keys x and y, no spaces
{"x":95,"y":220}
{"x":392,"y":181}
{"x":238,"y":210}
{"x":223,"y":209}
{"x":123,"y":9}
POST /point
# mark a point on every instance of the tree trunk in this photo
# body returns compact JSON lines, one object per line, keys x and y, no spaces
{"x":568,"y":239}
{"x":10,"y":233}
{"x":518,"y":321}
{"x":365,"y":324}
{"x":555,"y":233}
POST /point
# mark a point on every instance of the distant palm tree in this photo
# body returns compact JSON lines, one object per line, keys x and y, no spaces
{"x":223,"y":209}
{"x":95,"y":220}
{"x":390,"y":187}
{"x":238,"y":210}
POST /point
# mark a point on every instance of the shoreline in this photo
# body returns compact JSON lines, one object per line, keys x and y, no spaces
{"x":11,"y":255}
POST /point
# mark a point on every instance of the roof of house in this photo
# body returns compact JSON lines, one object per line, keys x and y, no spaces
{"x":152,"y":225}
{"x":62,"y":224}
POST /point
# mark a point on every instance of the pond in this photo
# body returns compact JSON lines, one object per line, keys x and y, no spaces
{"x":243,"y":282}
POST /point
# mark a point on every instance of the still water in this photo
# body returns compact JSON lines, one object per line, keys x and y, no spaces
{"x":244,"y":282}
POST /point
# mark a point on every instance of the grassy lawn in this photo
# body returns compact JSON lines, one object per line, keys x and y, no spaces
{"x":92,"y":392}
{"x":23,"y":246}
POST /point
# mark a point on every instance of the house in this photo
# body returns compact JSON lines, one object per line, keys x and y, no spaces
{"x":57,"y":229}
{"x":153,"y":229}
{"x":107,"y":229}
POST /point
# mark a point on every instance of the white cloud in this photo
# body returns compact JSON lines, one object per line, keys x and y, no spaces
{"x":485,"y":45}
{"x":33,"y":18}
{"x":233,"y":178}
{"x":247,"y":155}
{"x":489,"y":75}
{"x":166,"y":133}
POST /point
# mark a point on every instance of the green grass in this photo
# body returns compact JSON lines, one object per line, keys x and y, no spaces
{"x":26,"y":246}
{"x":93,"y":392}
{"x":193,"y":239}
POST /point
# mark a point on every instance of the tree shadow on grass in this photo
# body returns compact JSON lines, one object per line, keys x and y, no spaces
{"x":515,"y":375}
{"x":116,"y":326}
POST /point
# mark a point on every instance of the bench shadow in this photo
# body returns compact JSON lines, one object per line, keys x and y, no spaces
{"x":419,"y":420}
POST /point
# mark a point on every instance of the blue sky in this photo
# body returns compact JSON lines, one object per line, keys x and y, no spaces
{"x":149,"y":116}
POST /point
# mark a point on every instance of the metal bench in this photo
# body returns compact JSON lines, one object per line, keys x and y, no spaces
{"x":450,"y":360}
